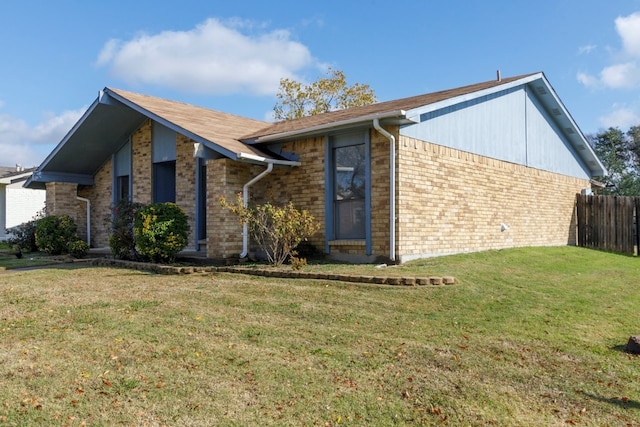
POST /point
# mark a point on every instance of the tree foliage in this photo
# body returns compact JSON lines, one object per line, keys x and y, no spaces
{"x":330,"y":93}
{"x":620,"y":153}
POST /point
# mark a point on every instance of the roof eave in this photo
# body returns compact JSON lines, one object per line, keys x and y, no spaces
{"x":325,"y":127}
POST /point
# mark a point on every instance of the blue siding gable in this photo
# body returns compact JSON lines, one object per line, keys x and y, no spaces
{"x":509,"y":125}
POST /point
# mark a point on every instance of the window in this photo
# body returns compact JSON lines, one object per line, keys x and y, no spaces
{"x":164,"y":180}
{"x":349,"y":192}
{"x":122,"y":173}
{"x":164,"y":163}
{"x":122,"y":188}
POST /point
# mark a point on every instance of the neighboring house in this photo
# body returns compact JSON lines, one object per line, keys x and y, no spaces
{"x":17,"y":204}
{"x":487,"y":166}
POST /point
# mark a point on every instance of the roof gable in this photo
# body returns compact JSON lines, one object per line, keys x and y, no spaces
{"x":383,"y":109}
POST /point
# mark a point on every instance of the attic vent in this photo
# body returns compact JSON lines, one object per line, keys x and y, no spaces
{"x":581,"y":147}
{"x":556,"y":111}
{"x":569,"y":131}
{"x":541,"y":90}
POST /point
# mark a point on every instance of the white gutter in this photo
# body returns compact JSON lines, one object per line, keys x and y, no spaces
{"x":392,"y":188}
{"x":245,"y":203}
{"x":88,"y":202}
{"x":253,"y":157}
{"x":331,"y":125}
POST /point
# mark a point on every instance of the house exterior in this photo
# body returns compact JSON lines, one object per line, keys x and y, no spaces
{"x":17,"y":204}
{"x":487,"y":166}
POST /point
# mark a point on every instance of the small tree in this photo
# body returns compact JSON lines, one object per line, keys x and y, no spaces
{"x":296,"y":99}
{"x":122,"y":240}
{"x":161,"y":231}
{"x":277,"y":230}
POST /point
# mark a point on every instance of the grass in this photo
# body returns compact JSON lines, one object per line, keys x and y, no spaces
{"x":9,"y":261}
{"x":528,"y":337}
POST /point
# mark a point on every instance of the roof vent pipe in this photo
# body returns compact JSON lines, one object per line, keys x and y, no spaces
{"x":392,"y":188}
{"x":498,"y":76}
{"x":245,"y":203}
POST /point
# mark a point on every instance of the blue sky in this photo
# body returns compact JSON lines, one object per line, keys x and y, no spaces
{"x":230,"y":55}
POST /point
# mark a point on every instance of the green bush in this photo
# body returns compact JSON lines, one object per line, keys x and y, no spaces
{"x":161,"y":231}
{"x":122,"y":239}
{"x":53,"y":233}
{"x":78,"y":248}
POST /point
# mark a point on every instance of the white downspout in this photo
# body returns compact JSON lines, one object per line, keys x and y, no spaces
{"x":245,"y":202}
{"x":392,"y":188}
{"x":88,"y":202}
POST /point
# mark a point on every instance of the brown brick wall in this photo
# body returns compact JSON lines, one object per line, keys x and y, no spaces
{"x":100,"y":195}
{"x":225,"y":178}
{"x":186,"y":183}
{"x":304,"y":185}
{"x":452,"y":201}
{"x":141,"y":163}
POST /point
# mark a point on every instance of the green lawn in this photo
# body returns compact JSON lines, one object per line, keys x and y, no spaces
{"x":527,"y":337}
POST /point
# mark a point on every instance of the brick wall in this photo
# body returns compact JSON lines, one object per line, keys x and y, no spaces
{"x":141,"y":164}
{"x":451,"y":201}
{"x":100,"y":195}
{"x":225,"y":178}
{"x":304,"y":186}
{"x":186,"y":183}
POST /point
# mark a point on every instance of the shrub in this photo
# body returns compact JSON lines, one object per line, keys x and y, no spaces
{"x":53,"y":234}
{"x":161,"y":231}
{"x":23,"y":236}
{"x":276,"y":229}
{"x":122,"y":239}
{"x":78,"y":248}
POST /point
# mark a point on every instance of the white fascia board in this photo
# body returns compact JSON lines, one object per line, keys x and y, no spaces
{"x":332,"y":125}
{"x":266,"y":160}
{"x":583,"y":140}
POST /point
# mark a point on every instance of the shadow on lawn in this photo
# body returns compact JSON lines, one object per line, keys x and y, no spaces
{"x":622,"y":402}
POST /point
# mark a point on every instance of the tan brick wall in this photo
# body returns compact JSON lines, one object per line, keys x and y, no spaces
{"x":304,"y":186}
{"x":380,"y":184}
{"x":186,"y":183}
{"x":100,"y":195}
{"x":61,"y":199}
{"x":225,"y":178}
{"x":142,"y":163}
{"x":451,"y":201}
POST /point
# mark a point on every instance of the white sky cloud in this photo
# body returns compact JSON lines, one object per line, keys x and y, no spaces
{"x":586,"y":49}
{"x":628,"y":28}
{"x":28,"y":145}
{"x":213,"y":58}
{"x":620,"y":76}
{"x":622,"y":117}
{"x":625,"y":72}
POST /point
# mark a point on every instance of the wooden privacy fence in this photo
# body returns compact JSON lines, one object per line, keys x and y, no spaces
{"x":608,"y":223}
